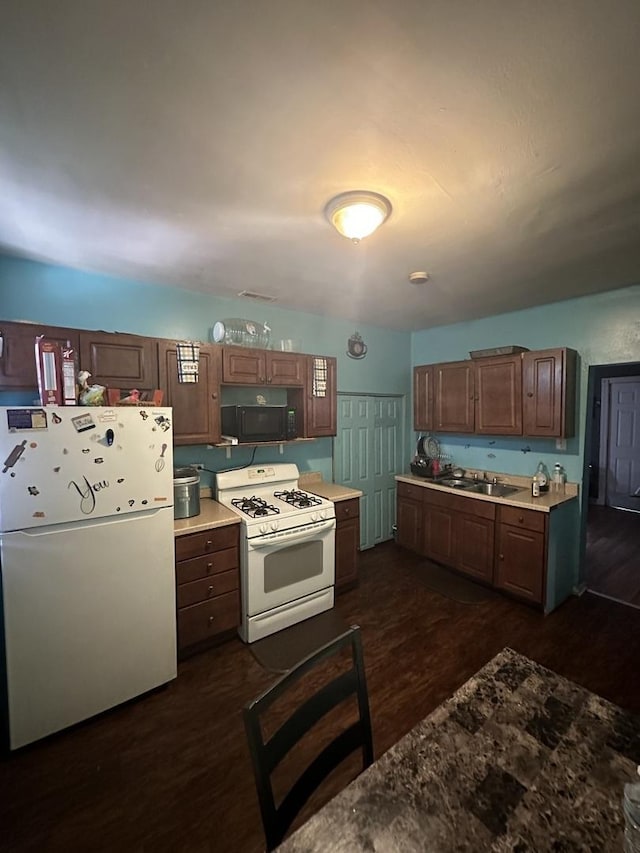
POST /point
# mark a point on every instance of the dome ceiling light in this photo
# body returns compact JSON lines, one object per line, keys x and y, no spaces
{"x":358,"y":213}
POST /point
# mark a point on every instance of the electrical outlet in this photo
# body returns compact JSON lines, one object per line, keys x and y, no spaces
{"x":197,"y":465}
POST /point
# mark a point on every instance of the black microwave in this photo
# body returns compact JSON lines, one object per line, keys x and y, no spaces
{"x":259,"y":423}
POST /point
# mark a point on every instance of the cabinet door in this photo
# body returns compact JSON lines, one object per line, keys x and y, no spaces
{"x":453,"y":397}
{"x":520,"y":566}
{"x":439,"y":534}
{"x":498,"y":395}
{"x":17,"y":352}
{"x":321,"y":411}
{"x":196,"y":405}
{"x":286,"y":369}
{"x":347,"y":542}
{"x":120,"y":361}
{"x":244,"y":366}
{"x":409,"y":523}
{"x":423,"y":397}
{"x":549,"y":388}
{"x":475,"y":546}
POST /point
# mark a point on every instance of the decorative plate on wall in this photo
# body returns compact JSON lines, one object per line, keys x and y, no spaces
{"x":356,"y":347}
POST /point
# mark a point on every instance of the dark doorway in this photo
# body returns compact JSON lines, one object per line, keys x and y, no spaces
{"x":612,"y":555}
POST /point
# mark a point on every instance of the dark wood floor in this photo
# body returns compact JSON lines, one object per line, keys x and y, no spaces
{"x":170,"y":772}
{"x":613,"y":553}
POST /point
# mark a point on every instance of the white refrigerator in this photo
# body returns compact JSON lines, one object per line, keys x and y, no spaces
{"x":86,"y":562}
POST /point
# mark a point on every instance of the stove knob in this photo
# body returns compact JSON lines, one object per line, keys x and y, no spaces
{"x":323,"y":514}
{"x":274,"y":525}
{"x":264,"y":528}
{"x":314,"y":516}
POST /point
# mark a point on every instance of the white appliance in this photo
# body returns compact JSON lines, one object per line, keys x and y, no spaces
{"x":287,"y":547}
{"x":86,"y":561}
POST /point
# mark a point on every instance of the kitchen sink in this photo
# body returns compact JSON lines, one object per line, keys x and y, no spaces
{"x":497,"y":490}
{"x":454,"y":482}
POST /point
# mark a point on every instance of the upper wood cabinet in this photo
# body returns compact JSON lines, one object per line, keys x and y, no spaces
{"x":119,"y":360}
{"x":196,"y":405}
{"x":320,"y":405}
{"x":247,"y":366}
{"x":453,"y":396}
{"x":423,"y":397}
{"x":498,"y":395}
{"x":530,"y":393}
{"x":17,"y":351}
{"x":549,"y":392}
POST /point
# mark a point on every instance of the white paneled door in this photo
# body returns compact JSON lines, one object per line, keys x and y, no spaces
{"x":368,"y":452}
{"x":623,"y":456}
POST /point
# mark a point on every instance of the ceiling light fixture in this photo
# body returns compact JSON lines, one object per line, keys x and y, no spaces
{"x":358,"y":213}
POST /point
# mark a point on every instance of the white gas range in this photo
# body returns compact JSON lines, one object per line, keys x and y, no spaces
{"x":287,"y":547}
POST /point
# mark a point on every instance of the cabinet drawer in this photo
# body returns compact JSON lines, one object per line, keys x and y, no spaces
{"x":203,"y":621}
{"x":195,"y":544}
{"x":527,"y":518}
{"x":414,"y":493}
{"x":207,"y":565}
{"x":206,"y":588}
{"x":347,"y":509}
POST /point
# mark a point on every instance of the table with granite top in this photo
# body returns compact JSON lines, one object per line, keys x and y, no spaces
{"x":519,"y":759}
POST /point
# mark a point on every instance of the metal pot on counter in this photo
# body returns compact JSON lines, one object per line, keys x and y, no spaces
{"x":186,"y":492}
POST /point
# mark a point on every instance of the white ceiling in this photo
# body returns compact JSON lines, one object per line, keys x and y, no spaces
{"x":196,"y":143}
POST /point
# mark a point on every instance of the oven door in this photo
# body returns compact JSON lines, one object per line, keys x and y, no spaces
{"x":279,"y":572}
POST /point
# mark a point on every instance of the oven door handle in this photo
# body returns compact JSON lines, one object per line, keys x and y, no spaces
{"x":254,"y":544}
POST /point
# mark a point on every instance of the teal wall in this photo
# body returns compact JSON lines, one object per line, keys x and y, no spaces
{"x":43,"y":293}
{"x":604,"y":329}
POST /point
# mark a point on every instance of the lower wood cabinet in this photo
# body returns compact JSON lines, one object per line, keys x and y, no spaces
{"x":410,"y":516}
{"x":475,"y":539}
{"x":207,"y":587}
{"x":521,"y":553}
{"x":347,"y":542}
{"x":503,"y":546}
{"x":459,"y":532}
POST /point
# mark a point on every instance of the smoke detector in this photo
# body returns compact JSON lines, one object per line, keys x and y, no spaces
{"x":418,"y":277}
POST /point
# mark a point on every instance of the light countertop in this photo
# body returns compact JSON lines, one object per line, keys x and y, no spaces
{"x":314,"y":483}
{"x":522,"y":499}
{"x":212,"y":514}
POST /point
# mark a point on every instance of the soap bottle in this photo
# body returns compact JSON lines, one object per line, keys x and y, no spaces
{"x":558,"y":479}
{"x":542,"y":475}
{"x":535,"y":486}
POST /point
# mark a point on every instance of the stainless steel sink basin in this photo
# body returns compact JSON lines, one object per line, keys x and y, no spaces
{"x":497,"y":490}
{"x":454,"y":482}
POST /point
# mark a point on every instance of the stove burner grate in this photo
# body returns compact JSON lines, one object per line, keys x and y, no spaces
{"x":254,"y":507}
{"x":297,"y":498}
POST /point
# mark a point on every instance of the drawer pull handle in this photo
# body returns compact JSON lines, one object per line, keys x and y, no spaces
{"x":209,"y":543}
{"x":501,"y":556}
{"x":529,"y":393}
{"x":209,"y":567}
{"x":210,"y":590}
{"x":210,"y":620}
{"x":521,"y":519}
